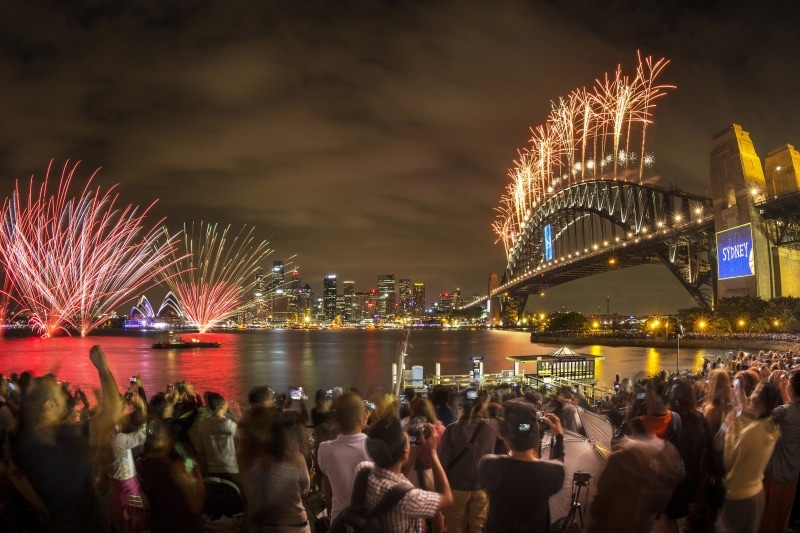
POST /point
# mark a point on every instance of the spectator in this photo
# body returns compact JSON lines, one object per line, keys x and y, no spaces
{"x":127,"y":506}
{"x":321,"y":412}
{"x":783,"y":469}
{"x":519,"y":485}
{"x":657,"y":419}
{"x":173,"y":486}
{"x":338,"y":458}
{"x":637,"y":482}
{"x":694,"y":446}
{"x":277,"y":477}
{"x":419,"y":467}
{"x":749,"y":442}
{"x":441,"y":401}
{"x":215,"y":439}
{"x":563,"y":406}
{"x":389,"y":447}
{"x":52,"y":462}
{"x":463,"y":444}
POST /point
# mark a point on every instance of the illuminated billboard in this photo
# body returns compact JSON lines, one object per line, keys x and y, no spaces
{"x":548,"y":243}
{"x":735,"y":252}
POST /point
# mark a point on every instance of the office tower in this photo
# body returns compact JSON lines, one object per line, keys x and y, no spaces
{"x":419,"y":299}
{"x":329,"y":297}
{"x":293,"y":292}
{"x":276,"y":290}
{"x":386,"y":296}
{"x":348,"y":293}
{"x":305,"y":301}
{"x":405,"y":298}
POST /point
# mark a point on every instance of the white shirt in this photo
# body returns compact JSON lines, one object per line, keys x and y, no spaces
{"x":338,"y":459}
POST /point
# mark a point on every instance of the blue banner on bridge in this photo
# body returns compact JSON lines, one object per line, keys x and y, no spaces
{"x":548,"y":243}
{"x":735,"y":252}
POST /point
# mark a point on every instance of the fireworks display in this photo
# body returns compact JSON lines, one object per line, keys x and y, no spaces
{"x":589,"y":135}
{"x":72,"y":260}
{"x":215,"y":279}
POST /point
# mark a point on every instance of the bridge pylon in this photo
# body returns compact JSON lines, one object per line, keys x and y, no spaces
{"x":512,"y":306}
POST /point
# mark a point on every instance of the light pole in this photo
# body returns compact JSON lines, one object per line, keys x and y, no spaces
{"x":679,"y":330}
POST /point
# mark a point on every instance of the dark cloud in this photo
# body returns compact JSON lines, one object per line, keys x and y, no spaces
{"x":370,"y":137}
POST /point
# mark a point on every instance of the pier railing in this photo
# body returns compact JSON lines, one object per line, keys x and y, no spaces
{"x":586,"y":389}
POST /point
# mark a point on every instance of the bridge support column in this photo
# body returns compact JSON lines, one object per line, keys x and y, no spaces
{"x":511,"y":308}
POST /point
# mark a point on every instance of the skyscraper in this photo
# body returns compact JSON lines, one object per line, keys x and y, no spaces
{"x":419,"y":299}
{"x":329,"y":297}
{"x":386,"y":295}
{"x":405,"y":298}
{"x":349,"y":293}
{"x":276,"y":291}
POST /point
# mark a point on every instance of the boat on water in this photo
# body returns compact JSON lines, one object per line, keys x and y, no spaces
{"x":180,"y":342}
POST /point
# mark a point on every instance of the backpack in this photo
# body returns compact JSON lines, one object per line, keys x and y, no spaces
{"x":355,"y":518}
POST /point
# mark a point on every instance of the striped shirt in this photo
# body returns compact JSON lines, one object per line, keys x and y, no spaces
{"x":405,"y":516}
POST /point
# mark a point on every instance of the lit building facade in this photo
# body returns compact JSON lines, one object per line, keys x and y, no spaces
{"x":405,"y":298}
{"x":329,"y":297}
{"x":387,"y":296}
{"x":348,"y":294}
{"x":419,"y":299}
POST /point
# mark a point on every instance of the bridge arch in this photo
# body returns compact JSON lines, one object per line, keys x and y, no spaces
{"x":594,"y":226}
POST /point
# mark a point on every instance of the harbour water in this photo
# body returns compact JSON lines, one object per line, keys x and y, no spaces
{"x":314,"y":359}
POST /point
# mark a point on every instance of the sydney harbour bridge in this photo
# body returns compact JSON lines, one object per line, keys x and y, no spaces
{"x":597,"y":226}
{"x":582,"y":201}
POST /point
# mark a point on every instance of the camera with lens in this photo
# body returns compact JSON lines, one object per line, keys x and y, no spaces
{"x":418,"y":426}
{"x":581,"y":478}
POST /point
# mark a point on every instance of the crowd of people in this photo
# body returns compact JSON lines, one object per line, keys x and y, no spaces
{"x":717,"y":450}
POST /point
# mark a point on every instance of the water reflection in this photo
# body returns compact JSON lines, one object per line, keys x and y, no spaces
{"x":312,"y":359}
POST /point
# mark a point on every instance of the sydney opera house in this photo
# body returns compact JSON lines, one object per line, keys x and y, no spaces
{"x":142,"y":315}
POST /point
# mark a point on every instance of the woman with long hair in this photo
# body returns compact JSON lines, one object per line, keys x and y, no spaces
{"x":749,"y":442}
{"x":277,"y":475}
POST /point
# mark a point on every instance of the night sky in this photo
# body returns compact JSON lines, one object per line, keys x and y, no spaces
{"x":369,"y":137}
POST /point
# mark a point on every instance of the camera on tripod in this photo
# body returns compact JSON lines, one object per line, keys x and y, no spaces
{"x":581,"y":478}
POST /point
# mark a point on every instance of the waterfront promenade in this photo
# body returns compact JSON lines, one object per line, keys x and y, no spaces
{"x":781,"y":343}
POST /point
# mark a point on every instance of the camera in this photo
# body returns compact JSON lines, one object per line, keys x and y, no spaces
{"x":12,"y":385}
{"x":524,"y":428}
{"x":640,"y":396}
{"x":581,"y":478}
{"x":297,"y":393}
{"x":472,"y":394}
{"x":369,"y":405}
{"x":542,"y":419}
{"x":418,"y":426}
{"x":133,"y":379}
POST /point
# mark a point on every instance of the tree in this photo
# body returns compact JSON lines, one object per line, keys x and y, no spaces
{"x":572,"y":321}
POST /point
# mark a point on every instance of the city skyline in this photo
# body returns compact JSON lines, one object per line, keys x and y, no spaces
{"x":368,"y":138}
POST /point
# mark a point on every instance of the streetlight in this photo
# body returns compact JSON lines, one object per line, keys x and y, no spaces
{"x":679,"y":330}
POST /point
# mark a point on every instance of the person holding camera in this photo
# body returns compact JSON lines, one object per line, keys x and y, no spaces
{"x":419,"y":468}
{"x":463,"y":444}
{"x":389,"y":447}
{"x":519,"y":485}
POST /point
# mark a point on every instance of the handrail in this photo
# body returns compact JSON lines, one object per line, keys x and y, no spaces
{"x":589,"y":390}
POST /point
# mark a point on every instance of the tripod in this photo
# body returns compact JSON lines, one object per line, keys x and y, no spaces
{"x":574,"y":519}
